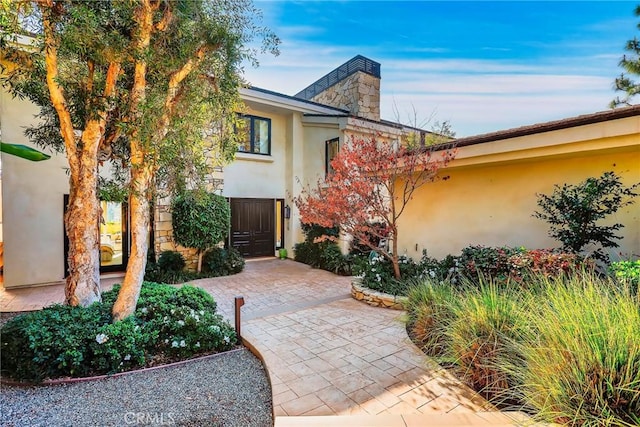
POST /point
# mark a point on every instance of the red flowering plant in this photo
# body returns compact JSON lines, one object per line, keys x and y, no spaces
{"x":372,"y":181}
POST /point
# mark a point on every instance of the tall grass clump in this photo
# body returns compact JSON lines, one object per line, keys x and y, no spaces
{"x":488,"y":318}
{"x":583,"y":365}
{"x":430,"y":312}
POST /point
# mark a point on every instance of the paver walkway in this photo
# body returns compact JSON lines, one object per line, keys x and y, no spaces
{"x":329,"y":354}
{"x":326,"y":353}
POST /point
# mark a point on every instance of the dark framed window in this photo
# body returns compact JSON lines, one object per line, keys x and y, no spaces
{"x":332,"y":147}
{"x":255,"y":135}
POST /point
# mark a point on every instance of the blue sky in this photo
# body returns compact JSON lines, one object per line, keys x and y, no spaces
{"x":484,"y":66}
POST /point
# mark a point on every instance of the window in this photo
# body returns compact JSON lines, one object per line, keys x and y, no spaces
{"x":331,"y":151}
{"x":255,"y":135}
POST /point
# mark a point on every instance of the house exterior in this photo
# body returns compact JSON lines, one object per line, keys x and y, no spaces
{"x":290,"y":140}
{"x":490,"y":194}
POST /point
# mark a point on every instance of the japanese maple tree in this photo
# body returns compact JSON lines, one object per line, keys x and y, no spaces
{"x":372,"y":181}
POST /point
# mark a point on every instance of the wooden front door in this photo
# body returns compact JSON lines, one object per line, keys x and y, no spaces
{"x":253,"y":226}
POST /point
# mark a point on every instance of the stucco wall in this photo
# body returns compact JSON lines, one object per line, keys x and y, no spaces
{"x":492,"y":203}
{"x":260,"y":176}
{"x":32,"y":210}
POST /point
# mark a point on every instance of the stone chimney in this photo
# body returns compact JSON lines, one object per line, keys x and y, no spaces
{"x":353,"y":86}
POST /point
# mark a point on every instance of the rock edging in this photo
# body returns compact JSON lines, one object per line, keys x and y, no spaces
{"x":377,"y":299}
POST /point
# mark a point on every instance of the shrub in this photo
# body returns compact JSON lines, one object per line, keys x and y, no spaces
{"x":51,"y":343}
{"x":222,"y":262}
{"x":430,"y":312}
{"x":332,"y":259}
{"x":573,"y":212}
{"x":200,"y":220}
{"x":377,"y":273}
{"x":63,"y":341}
{"x":490,"y":262}
{"x":548,"y":263}
{"x":169,"y":269}
{"x":171,"y":261}
{"x":628,"y":273}
{"x":583,"y":365}
{"x":319,"y":253}
{"x":486,"y":320}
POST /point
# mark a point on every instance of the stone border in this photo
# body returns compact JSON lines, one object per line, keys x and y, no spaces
{"x":377,"y":299}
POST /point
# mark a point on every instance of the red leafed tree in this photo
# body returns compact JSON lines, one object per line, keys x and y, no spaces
{"x":372,"y":182}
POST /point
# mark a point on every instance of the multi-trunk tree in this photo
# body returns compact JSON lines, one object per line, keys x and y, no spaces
{"x":369,"y":187}
{"x":142,"y":84}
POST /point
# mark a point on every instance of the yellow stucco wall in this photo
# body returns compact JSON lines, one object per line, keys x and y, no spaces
{"x":490,"y":195}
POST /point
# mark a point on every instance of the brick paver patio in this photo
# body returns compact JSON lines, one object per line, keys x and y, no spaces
{"x":326,"y":353}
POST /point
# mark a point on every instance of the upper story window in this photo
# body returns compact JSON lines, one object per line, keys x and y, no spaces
{"x":331,"y":151}
{"x":255,"y":136}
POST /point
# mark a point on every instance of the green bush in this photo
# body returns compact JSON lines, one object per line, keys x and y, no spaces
{"x":323,"y":254}
{"x":574,"y":212}
{"x":377,"y":274}
{"x":222,"y":262}
{"x":490,"y":262}
{"x":58,"y":341}
{"x":171,"y":261}
{"x":628,"y":273}
{"x":583,"y":365}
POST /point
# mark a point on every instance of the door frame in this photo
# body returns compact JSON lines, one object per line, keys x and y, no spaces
{"x":278,"y":213}
{"x":125,"y":240}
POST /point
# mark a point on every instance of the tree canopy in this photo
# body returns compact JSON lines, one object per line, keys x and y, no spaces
{"x":630,"y":63}
{"x":151,"y":86}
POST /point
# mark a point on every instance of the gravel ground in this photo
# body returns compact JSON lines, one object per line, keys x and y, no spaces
{"x":230,"y":389}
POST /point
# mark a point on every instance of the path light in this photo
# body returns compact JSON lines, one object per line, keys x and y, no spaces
{"x":239,"y":301}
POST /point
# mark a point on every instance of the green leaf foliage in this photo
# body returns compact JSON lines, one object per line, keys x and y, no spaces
{"x":169,"y":324}
{"x":574,"y":212}
{"x":630,"y":63}
{"x":200,"y":220}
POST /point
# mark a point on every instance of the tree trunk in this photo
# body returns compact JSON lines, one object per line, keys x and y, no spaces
{"x":394,"y":254}
{"x":200,"y":256}
{"x":81,"y":221}
{"x":125,"y":305}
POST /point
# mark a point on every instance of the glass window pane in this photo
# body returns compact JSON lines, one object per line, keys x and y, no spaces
{"x":261,"y":136}
{"x":244,"y":132}
{"x":111,"y":233}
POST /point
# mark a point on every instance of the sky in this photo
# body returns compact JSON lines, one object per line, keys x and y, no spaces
{"x":483,"y":66}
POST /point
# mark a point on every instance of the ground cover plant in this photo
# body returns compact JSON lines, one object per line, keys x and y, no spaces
{"x":565,"y":349}
{"x":169,"y":324}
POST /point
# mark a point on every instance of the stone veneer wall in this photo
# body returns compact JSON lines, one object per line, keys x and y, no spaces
{"x":163,"y":227}
{"x":377,"y":299}
{"x":358,"y":93}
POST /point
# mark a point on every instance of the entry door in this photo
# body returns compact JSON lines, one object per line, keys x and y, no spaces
{"x":253,"y":226}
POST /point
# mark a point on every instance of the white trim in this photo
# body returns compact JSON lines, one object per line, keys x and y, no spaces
{"x":285,"y":102}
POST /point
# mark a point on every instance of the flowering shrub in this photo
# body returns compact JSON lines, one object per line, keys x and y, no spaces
{"x":376,"y":272}
{"x":169,"y":324}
